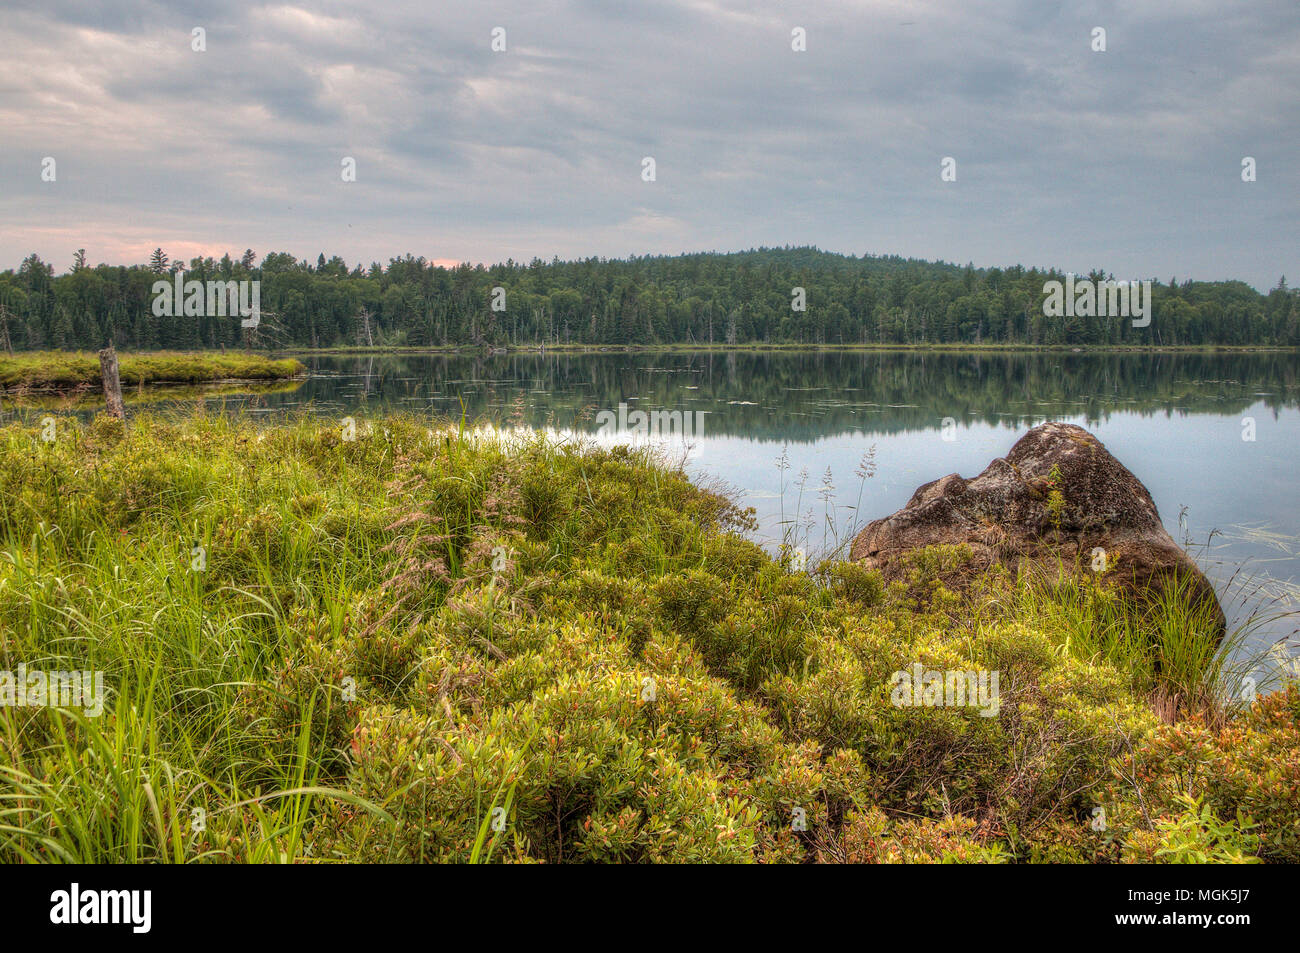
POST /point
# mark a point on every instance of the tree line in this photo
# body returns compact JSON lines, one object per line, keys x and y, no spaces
{"x":768,"y":295}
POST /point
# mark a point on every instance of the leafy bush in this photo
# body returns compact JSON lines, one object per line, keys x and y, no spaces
{"x":1244,"y":773}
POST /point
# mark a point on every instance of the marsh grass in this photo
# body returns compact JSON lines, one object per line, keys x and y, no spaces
{"x":349,"y":677}
{"x":100,"y":580}
{"x":69,"y":370}
{"x":95,"y":557}
{"x":1168,"y":645}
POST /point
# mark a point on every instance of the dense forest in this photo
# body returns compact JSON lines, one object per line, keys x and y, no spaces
{"x":709,"y":298}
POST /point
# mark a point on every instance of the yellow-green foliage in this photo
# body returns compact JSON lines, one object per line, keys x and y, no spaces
{"x":1232,"y":788}
{"x":65,"y":370}
{"x":869,"y":837}
{"x":1195,"y":836}
{"x":392,"y":636}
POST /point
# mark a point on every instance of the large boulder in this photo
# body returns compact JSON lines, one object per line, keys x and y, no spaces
{"x":1054,"y":500}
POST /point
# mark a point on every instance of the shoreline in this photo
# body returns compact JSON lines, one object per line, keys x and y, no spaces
{"x":63,"y":373}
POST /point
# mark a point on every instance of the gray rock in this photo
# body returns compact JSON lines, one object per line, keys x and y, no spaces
{"x":1008,"y":515}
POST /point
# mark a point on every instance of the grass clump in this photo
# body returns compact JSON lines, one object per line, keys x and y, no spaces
{"x":398,"y":643}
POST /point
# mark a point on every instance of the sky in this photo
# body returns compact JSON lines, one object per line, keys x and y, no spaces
{"x":1128,"y":160}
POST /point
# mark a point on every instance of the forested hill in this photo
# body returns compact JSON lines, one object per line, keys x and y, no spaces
{"x":706,"y":298}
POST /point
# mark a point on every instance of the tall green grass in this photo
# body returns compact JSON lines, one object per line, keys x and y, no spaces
{"x":100,"y":579}
{"x":1170,"y":642}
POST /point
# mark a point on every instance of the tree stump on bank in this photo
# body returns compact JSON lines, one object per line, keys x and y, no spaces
{"x":112,"y":382}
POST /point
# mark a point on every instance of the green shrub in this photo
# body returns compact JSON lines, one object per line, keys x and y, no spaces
{"x":1247,"y":768}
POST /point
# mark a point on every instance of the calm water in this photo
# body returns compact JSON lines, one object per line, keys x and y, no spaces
{"x":1175,"y":420}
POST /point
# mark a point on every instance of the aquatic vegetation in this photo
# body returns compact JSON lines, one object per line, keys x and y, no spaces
{"x":398,"y":642}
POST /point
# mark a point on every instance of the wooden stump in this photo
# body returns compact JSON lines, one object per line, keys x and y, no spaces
{"x":112,"y":382}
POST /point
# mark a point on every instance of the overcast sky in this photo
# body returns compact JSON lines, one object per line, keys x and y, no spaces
{"x":1127,"y":160}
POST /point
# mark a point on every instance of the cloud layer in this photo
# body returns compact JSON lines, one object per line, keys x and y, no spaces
{"x":1127,"y":160}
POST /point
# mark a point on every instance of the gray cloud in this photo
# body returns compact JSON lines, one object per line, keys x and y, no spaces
{"x":1128,"y":160}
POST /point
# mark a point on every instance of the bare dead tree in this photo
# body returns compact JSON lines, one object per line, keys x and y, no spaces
{"x":5,"y":315}
{"x":364,"y":328}
{"x":268,"y":333}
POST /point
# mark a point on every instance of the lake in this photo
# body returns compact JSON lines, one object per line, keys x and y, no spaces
{"x":1215,"y":437}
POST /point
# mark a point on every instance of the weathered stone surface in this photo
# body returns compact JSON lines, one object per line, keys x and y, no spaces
{"x":1006,"y":515}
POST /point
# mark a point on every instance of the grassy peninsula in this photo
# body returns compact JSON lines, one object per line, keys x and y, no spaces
{"x":63,"y":371}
